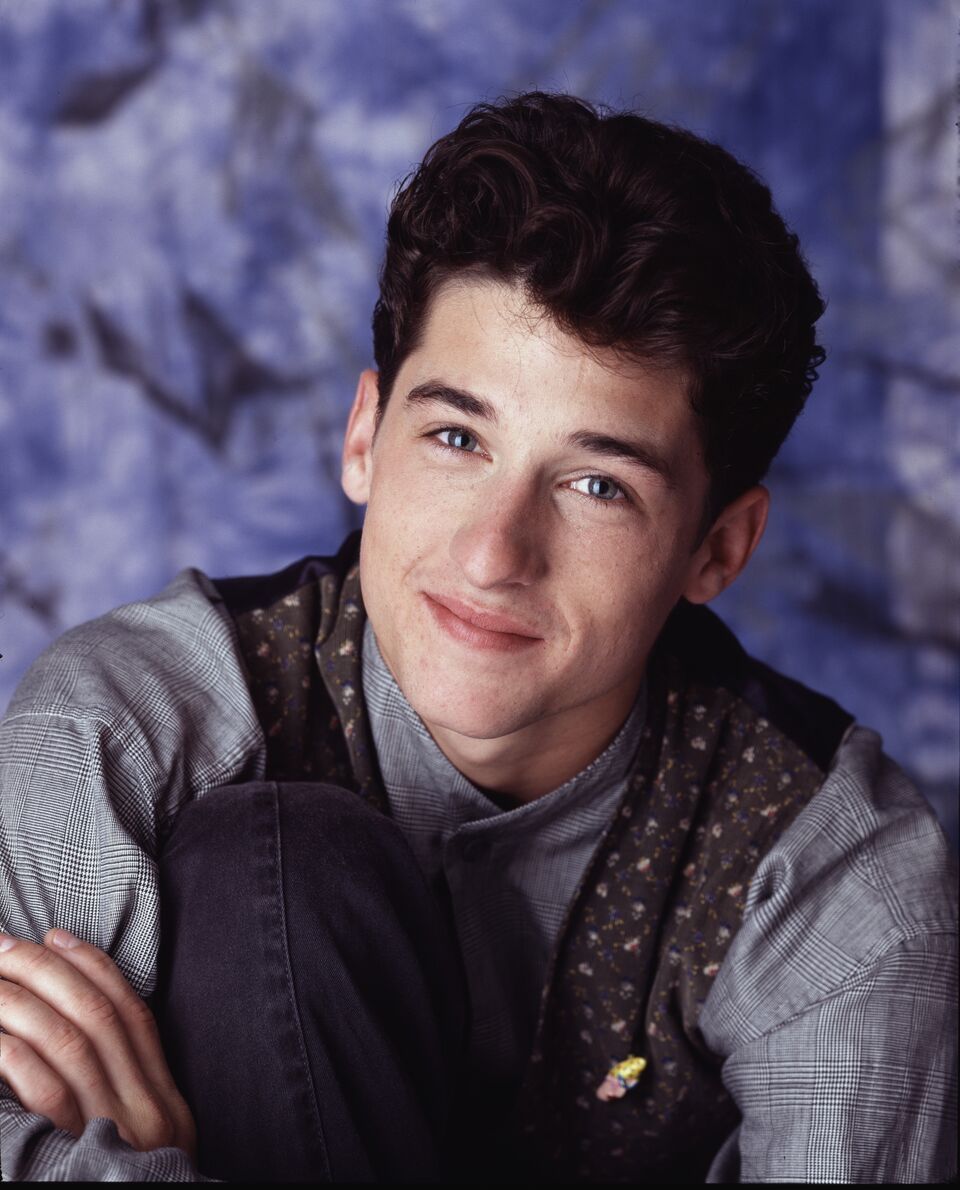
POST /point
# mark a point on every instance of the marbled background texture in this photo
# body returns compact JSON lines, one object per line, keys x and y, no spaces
{"x":192,"y":200}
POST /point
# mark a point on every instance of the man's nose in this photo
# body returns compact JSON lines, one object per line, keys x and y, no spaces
{"x":503,"y":541}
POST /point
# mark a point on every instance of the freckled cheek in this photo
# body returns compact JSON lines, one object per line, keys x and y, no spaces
{"x":620,"y":596}
{"x":418,"y":499}
{"x":399,"y":511}
{"x":406,"y":535}
{"x":608,"y":643}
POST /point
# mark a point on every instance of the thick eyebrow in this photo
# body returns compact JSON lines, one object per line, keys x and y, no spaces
{"x":641,"y":454}
{"x":455,"y":398}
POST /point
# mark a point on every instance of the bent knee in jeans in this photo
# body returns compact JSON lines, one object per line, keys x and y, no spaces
{"x":308,"y":979}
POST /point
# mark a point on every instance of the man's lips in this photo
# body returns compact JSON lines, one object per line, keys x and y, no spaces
{"x":482,"y":629}
{"x":491,"y":621}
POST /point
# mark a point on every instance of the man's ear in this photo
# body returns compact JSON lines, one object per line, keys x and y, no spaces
{"x":357,"y":468}
{"x":727,"y":547}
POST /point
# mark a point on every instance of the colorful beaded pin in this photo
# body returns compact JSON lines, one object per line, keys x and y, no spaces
{"x":621,"y":1077}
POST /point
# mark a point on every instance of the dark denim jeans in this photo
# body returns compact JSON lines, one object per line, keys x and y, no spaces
{"x":310,"y":996}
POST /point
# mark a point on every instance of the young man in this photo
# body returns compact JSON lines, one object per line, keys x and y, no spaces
{"x":481,"y":850}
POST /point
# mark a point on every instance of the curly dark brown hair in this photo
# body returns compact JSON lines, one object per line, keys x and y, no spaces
{"x":632,"y":235}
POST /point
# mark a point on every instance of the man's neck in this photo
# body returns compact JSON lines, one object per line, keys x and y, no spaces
{"x":534,"y":761}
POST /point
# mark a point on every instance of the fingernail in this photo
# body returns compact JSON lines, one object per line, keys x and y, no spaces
{"x":65,"y":939}
{"x":6,"y":942}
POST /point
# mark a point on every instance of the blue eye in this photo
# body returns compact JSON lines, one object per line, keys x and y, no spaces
{"x":459,"y":439}
{"x":600,"y":488}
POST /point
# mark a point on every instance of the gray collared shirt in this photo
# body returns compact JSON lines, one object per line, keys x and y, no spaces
{"x":834,"y":1010}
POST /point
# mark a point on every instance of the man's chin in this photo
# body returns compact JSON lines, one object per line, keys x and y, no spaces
{"x":478,"y":720}
{"x":469,"y":700}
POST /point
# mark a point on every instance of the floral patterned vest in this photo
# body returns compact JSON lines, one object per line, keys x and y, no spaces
{"x":731,"y":752}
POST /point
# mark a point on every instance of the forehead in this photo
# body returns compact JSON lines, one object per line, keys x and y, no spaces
{"x":488,"y":337}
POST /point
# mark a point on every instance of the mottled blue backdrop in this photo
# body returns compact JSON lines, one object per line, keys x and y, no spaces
{"x":192,"y":200}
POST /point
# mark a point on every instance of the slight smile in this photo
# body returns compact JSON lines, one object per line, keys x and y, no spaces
{"x":479,"y":629}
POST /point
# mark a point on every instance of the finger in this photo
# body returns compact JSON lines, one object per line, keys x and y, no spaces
{"x":81,"y":1010}
{"x":87,"y":1026}
{"x":139,"y":1022}
{"x":38,"y":1088}
{"x":146,"y":1086}
{"x":63,"y":1058}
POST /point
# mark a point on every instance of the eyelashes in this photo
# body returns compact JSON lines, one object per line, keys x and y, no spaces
{"x":454,"y":430}
{"x":434,"y":437}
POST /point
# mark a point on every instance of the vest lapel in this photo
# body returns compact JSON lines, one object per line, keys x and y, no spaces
{"x":338,"y":653}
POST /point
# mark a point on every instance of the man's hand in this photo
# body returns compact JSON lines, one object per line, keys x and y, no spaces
{"x":80,"y":1043}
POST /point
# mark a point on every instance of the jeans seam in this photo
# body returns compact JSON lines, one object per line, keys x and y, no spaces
{"x":291,"y":990}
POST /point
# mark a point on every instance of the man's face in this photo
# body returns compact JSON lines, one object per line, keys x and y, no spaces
{"x":496,"y":487}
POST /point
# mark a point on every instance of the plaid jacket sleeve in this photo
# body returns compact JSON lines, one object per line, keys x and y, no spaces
{"x":835,"y":1009}
{"x":119,"y":723}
